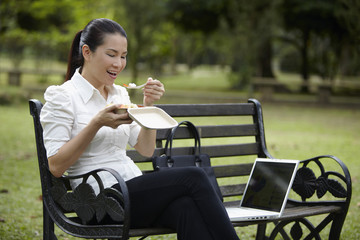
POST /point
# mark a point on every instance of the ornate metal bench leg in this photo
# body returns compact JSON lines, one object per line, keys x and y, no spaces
{"x":261,"y":229}
{"x":296,"y":231}
{"x":48,"y":226}
{"x":336,"y":226}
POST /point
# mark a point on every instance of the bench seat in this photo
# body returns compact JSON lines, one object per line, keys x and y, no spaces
{"x":289,"y":214}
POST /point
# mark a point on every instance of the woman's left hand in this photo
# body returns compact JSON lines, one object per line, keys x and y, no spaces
{"x":153,"y":91}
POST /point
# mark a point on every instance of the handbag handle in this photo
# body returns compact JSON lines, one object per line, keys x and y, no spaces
{"x":191,"y":127}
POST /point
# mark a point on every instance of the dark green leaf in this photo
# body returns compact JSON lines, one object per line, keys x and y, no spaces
{"x":85,"y":198}
{"x":84,"y":193}
{"x":322,"y":187}
{"x":305,"y":182}
{"x":58,"y":189}
{"x":68,"y":201}
{"x":336,"y":189}
{"x":114,"y":209}
{"x":296,"y":231}
{"x":100,"y":207}
{"x":85,"y":212}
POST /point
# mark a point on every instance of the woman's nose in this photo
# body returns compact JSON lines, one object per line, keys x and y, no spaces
{"x":117,"y":63}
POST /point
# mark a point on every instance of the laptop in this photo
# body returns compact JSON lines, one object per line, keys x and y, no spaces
{"x":267,"y":190}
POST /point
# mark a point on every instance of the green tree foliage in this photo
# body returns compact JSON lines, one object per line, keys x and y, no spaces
{"x":244,"y":27}
{"x":235,"y":33}
{"x":252,"y":25}
{"x":142,"y":21}
{"x":203,"y":15}
{"x":12,"y":39}
{"x":351,"y":17}
{"x":315,"y":25}
{"x":35,"y":26}
{"x":45,"y":27}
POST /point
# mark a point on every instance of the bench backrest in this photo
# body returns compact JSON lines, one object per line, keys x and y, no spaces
{"x":45,"y":176}
{"x":235,"y":132}
{"x":231,"y":134}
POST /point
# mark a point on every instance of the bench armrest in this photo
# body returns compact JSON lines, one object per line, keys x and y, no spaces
{"x":89,"y":207}
{"x":323,"y":175}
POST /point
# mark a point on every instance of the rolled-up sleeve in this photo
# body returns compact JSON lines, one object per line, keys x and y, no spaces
{"x":57,"y":119}
{"x":134,"y":133}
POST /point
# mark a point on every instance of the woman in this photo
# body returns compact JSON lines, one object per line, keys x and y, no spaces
{"x":82,"y":133}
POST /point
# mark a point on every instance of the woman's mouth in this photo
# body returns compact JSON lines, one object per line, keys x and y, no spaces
{"x":112,"y":74}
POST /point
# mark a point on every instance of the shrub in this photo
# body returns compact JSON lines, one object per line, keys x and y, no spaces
{"x":12,"y":95}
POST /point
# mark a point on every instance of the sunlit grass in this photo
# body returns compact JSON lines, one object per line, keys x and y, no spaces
{"x":292,"y":131}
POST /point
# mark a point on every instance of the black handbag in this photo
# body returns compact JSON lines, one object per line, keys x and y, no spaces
{"x":197,"y":159}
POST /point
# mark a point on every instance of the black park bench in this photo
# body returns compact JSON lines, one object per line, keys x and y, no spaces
{"x":322,"y":187}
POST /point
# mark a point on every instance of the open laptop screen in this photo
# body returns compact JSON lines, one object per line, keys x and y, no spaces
{"x":268,"y":185}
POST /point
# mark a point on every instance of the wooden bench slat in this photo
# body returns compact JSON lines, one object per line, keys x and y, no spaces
{"x":243,"y":169}
{"x":232,"y":190}
{"x":136,"y":232}
{"x":228,"y":131}
{"x":213,"y":151}
{"x":241,"y":149}
{"x":227,"y":109}
{"x":239,"y":130}
{"x":305,"y":211}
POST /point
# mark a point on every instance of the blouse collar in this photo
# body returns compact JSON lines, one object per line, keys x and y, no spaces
{"x":85,"y":88}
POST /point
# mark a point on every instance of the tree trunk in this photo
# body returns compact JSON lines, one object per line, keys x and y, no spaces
{"x":14,"y":78}
{"x":305,"y":62}
{"x":265,"y":57}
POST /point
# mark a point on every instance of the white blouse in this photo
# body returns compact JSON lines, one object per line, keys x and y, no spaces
{"x":68,"y":109}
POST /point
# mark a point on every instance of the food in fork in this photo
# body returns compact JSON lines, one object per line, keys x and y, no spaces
{"x":133,"y":86}
{"x":130,"y":85}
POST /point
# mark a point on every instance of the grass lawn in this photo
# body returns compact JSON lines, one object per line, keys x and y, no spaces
{"x":292,"y":132}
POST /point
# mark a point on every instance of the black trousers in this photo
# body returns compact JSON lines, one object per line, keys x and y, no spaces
{"x":182,"y":199}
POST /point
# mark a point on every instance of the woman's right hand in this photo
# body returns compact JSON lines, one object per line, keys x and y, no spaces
{"x":108,"y":117}
{"x":70,"y":152}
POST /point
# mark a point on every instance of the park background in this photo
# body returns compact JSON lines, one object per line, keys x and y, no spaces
{"x":300,"y":58}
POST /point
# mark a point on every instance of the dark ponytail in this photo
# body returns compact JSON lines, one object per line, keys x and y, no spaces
{"x":93,"y":35}
{"x":75,"y":58}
